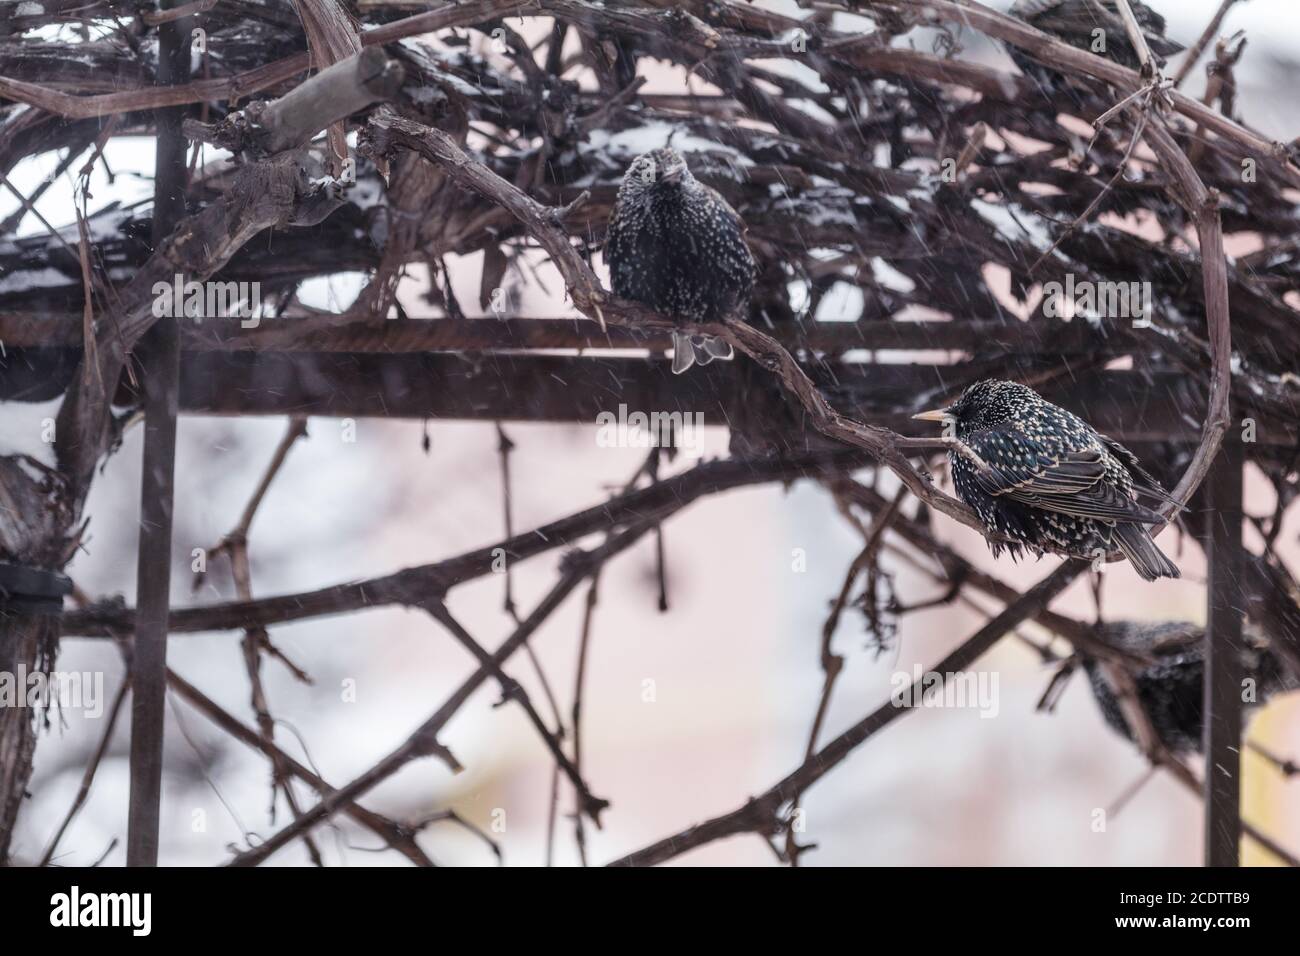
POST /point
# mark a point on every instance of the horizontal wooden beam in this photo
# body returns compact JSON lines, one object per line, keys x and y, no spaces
{"x":1126,"y":405}
{"x":483,"y":369}
{"x":313,"y":334}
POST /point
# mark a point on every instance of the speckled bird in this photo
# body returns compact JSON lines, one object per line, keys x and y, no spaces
{"x":675,"y":245}
{"x":1171,"y":688}
{"x":1076,"y":22}
{"x":1042,"y":477}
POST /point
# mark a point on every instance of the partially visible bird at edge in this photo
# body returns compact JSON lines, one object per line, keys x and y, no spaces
{"x":1092,"y":25}
{"x":675,"y":245}
{"x":1043,"y":480}
{"x":1171,"y":689}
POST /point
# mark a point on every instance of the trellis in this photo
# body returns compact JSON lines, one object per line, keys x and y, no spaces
{"x":460,"y":153}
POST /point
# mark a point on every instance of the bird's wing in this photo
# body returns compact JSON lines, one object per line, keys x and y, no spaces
{"x":1072,"y":483}
{"x":726,"y":209}
{"x":1028,"y":9}
{"x":1080,"y":18}
{"x":1148,"y":19}
{"x":1072,"y":19}
{"x":1153,"y":28}
{"x":1144,"y":483}
{"x":613,"y":218}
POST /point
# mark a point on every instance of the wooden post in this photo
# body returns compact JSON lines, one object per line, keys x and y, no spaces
{"x":1224,"y":662}
{"x":160,"y":360}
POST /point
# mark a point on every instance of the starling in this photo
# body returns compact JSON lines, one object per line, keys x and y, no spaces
{"x":1043,"y":478}
{"x":1171,"y":689}
{"x":1082,"y":23}
{"x":675,"y":245}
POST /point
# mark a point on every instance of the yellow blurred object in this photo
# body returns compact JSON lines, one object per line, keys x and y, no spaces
{"x":1265,"y":789}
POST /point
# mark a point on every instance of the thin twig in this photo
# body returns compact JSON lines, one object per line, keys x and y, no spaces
{"x":1211,"y":30}
{"x":423,"y":740}
{"x":760,"y":814}
{"x":511,"y":689}
{"x":832,"y":664}
{"x":88,"y":776}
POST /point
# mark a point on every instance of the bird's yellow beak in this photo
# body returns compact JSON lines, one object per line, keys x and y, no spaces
{"x":934,"y":415}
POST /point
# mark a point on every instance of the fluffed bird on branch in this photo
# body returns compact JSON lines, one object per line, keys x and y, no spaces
{"x":1092,"y":25}
{"x":675,"y":245}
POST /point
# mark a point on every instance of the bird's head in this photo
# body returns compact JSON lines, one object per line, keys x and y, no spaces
{"x":657,"y":170}
{"x":985,"y":404}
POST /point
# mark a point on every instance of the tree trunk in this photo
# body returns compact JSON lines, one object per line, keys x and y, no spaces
{"x":35,"y":515}
{"x":28,"y":645}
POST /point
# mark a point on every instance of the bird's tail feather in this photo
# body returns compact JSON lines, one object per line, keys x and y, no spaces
{"x":1143,"y":554}
{"x":1163,"y":46}
{"x":691,"y":350}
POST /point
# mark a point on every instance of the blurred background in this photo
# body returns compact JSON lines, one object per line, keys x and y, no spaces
{"x":687,"y":713}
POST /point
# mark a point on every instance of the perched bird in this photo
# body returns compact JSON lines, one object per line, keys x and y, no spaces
{"x":1042,"y":477}
{"x":1171,"y":689}
{"x":1095,"y":26}
{"x":675,"y":245}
